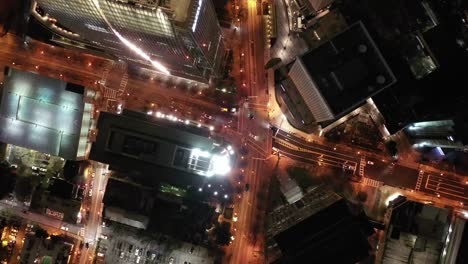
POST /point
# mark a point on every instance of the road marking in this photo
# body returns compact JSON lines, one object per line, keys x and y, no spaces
{"x":109,"y":93}
{"x":446,"y":186}
{"x":124,"y":82}
{"x":373,"y":183}
{"x":420,"y":177}
{"x":294,"y":147}
{"x":362,"y":164}
{"x":296,"y":139}
{"x":325,"y":162}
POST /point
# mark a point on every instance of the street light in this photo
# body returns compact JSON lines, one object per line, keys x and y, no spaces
{"x":283,"y":117}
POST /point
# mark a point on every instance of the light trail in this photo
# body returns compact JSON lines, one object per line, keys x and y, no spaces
{"x":130,"y":45}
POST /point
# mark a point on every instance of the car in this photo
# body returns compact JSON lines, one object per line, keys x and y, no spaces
{"x":370,"y":162}
{"x":64,"y":228}
{"x":255,"y":137}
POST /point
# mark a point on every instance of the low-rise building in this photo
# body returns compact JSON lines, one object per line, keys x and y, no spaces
{"x":59,"y":201}
{"x":45,"y":250}
{"x":45,"y":114}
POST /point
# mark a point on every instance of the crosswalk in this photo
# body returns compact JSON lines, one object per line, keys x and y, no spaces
{"x":373,"y":183}
{"x":124,"y":82}
{"x":109,"y":93}
{"x":362,"y":165}
{"x":420,"y":177}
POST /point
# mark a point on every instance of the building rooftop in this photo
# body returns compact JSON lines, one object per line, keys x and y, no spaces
{"x":332,"y":235}
{"x":38,"y":250}
{"x":416,"y":233}
{"x":136,"y":200}
{"x":166,"y":151}
{"x":348,"y":69}
{"x":44,"y":114}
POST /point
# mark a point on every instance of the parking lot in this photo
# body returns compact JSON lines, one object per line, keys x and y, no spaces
{"x":125,"y":247}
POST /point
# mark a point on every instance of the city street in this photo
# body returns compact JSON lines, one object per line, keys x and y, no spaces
{"x":375,"y":171}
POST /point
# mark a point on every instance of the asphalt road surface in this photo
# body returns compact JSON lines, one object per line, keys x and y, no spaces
{"x":374,"y":171}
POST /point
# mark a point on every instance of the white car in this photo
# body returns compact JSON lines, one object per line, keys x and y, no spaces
{"x":370,"y":162}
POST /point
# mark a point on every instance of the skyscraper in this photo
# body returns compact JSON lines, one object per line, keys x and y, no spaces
{"x":177,"y":37}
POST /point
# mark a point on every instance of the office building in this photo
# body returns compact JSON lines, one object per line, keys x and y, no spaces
{"x":315,"y":228}
{"x":332,"y":80}
{"x":415,"y":233}
{"x":443,"y":134}
{"x":45,"y":114}
{"x":177,"y":37}
{"x":169,"y":149}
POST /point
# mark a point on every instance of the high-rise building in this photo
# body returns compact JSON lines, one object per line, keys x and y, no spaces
{"x":170,"y":149}
{"x":179,"y":37}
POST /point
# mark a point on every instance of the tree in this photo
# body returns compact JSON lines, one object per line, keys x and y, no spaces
{"x":23,"y":188}
{"x":71,"y":170}
{"x":41,"y":233}
{"x":222,"y":233}
{"x":302,"y":177}
{"x":7,"y":178}
{"x":361,"y":196}
{"x":56,"y":239}
{"x":272,"y":63}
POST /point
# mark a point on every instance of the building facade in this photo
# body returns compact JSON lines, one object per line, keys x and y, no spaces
{"x":180,"y":38}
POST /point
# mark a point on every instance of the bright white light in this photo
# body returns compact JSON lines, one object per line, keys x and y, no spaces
{"x":231,"y":152}
{"x":229,"y":147}
{"x":225,"y":196}
{"x":200,"y":189}
{"x":196,"y":152}
{"x":141,"y":53}
{"x":158,"y":114}
{"x":199,"y":125}
{"x":211,"y":128}
{"x":391,"y":198}
{"x":187,"y":122}
{"x":465,"y":214}
{"x":220,"y":165}
{"x":209,"y":185}
{"x":149,"y":112}
{"x":130,"y":45}
{"x":194,"y":26}
{"x":215,"y":193}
